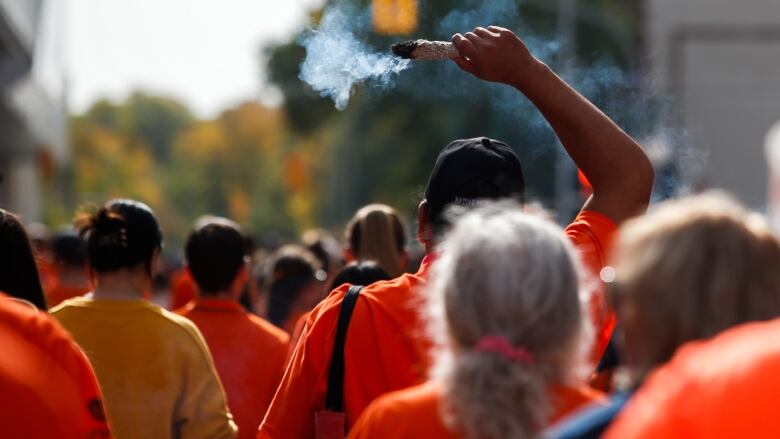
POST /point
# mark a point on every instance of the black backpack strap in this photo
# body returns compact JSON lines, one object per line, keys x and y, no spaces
{"x":334,"y":398}
{"x":610,"y":359}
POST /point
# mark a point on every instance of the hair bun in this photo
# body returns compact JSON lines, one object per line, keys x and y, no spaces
{"x":122,"y":233}
{"x":110,"y":229}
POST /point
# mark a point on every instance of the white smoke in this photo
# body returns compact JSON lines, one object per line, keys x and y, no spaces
{"x":336,"y":60}
{"x":479,"y":13}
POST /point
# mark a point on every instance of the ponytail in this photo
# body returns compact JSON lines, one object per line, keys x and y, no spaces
{"x":491,"y":396}
{"x":376,"y":233}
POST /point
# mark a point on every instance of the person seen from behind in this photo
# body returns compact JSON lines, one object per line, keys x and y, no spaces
{"x":354,"y":273}
{"x":153,"y":366}
{"x":70,"y":266}
{"x":689,"y":269}
{"x":505,"y":309}
{"x":294,"y":280}
{"x":249,"y":353}
{"x":377,"y":233}
{"x":386,"y":341}
{"x":19,"y":276}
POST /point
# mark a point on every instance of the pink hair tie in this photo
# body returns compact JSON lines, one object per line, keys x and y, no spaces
{"x":501,"y":346}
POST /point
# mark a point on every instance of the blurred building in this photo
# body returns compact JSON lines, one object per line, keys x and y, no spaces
{"x":32,"y":113}
{"x":720,"y":61}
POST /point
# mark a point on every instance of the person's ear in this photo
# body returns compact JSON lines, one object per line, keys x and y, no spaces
{"x":424,"y":231}
{"x":92,"y":276}
{"x":239,"y":281}
{"x":152,"y":268}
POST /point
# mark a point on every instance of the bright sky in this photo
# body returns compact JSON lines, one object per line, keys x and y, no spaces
{"x":204,"y":52}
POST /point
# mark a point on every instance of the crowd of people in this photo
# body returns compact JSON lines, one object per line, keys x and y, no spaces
{"x":623,"y":324}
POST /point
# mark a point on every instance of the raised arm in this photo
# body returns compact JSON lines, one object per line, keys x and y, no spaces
{"x":617,"y":168}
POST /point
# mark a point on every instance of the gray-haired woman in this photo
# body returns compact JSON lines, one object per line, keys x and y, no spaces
{"x":506,"y":309}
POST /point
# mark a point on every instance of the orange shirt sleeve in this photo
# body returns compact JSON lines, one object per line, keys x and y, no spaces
{"x":592,"y":234}
{"x":302,"y":390}
{"x":53,"y":372}
{"x":296,"y":334}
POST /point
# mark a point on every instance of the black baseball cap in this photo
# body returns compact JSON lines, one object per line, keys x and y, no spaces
{"x":470,"y":170}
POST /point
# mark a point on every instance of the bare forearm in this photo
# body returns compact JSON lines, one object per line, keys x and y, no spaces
{"x":615,"y":165}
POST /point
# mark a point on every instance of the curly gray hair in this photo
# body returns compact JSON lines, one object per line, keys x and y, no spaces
{"x":512,"y":275}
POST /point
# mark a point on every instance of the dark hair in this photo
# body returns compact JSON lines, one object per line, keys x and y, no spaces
{"x":121,"y":234}
{"x":291,"y":268}
{"x":363,"y":273}
{"x":69,"y":250}
{"x":18,"y":271}
{"x":215,"y":252}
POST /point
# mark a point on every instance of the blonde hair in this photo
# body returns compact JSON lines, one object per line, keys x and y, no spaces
{"x":377,"y":233}
{"x":690,"y":269}
{"x":503,"y":273}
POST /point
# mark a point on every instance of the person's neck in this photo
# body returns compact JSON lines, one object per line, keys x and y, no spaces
{"x":120,"y":285}
{"x":221,"y":295}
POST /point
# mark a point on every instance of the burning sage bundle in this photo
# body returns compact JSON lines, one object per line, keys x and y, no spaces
{"x":424,"y":50}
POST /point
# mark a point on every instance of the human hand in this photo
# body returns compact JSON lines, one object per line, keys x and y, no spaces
{"x":494,"y":54}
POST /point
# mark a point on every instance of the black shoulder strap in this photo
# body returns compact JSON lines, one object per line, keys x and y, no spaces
{"x":334,"y":398}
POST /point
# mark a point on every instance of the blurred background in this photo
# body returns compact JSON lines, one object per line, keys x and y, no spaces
{"x":196,"y":106}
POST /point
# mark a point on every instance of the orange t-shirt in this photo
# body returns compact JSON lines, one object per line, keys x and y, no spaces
{"x":47,"y":385}
{"x":726,"y":387}
{"x":592,"y":234}
{"x":249,"y":354}
{"x":415,"y":412}
{"x":387,"y":347}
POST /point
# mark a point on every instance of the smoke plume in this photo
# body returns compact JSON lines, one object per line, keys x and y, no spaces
{"x":336,"y":60}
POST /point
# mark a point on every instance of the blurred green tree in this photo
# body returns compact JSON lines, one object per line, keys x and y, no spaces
{"x":235,"y":165}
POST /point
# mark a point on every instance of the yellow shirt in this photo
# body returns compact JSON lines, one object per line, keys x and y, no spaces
{"x":157,"y":375}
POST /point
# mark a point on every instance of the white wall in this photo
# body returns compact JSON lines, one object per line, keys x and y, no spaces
{"x":720,"y":60}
